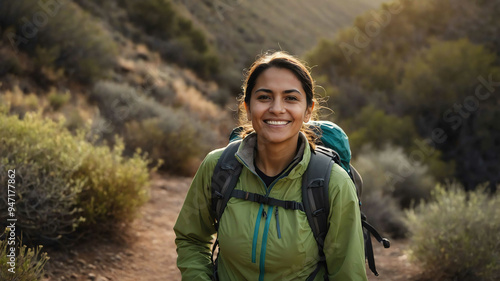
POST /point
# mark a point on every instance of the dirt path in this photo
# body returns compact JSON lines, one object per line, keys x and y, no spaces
{"x":146,"y":250}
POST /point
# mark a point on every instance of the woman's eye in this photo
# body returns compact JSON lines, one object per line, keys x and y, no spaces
{"x":263,"y":97}
{"x":292,"y":98}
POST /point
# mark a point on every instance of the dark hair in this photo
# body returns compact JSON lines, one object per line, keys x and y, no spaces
{"x":279,"y":60}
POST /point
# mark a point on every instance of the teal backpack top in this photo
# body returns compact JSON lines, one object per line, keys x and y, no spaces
{"x":334,"y":137}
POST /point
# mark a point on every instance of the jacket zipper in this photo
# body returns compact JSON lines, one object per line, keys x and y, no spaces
{"x":260,"y":214}
{"x":256,"y":233}
{"x":264,"y":245}
{"x":278,"y":223}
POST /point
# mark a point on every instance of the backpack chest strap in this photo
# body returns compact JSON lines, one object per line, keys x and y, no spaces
{"x":259,"y":198}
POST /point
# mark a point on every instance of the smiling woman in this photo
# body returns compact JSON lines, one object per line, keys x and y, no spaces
{"x":256,"y":241}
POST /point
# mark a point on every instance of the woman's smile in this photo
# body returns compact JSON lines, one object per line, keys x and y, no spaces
{"x":277,"y":122}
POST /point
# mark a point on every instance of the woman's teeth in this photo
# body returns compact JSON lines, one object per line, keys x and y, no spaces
{"x":277,"y":122}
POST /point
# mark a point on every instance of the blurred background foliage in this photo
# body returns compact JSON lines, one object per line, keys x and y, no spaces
{"x":153,"y":84}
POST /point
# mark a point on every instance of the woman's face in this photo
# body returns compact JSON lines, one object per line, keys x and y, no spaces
{"x":278,"y":107}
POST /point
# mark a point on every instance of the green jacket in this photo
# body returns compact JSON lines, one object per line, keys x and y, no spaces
{"x":260,"y":242}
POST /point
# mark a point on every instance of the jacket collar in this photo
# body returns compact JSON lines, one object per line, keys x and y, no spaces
{"x":246,"y":154}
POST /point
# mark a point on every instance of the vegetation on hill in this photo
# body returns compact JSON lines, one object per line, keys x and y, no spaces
{"x":64,"y":181}
{"x":421,"y":70}
{"x":159,"y":25}
{"x":241,"y":29}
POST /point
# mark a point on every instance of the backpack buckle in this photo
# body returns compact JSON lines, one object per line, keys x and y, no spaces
{"x":264,"y":200}
{"x":218,"y":194}
{"x":318,"y":212}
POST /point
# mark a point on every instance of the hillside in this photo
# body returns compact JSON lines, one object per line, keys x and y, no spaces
{"x":243,"y":29}
{"x":176,"y":61}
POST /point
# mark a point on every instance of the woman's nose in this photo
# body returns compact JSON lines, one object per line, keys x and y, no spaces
{"x":277,"y":106}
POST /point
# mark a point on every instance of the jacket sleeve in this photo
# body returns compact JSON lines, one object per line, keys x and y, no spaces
{"x":344,"y":243}
{"x":194,"y":228}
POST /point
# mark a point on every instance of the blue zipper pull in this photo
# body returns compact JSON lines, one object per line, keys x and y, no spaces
{"x":278,"y":223}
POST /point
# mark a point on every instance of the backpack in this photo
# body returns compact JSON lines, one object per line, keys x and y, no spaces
{"x":332,"y":147}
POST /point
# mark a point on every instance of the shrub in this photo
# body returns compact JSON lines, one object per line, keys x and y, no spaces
{"x":176,"y":138}
{"x":46,"y":204}
{"x":374,"y":126}
{"x":69,"y":37}
{"x":383,"y":212}
{"x":391,"y":182}
{"x":29,"y":262}
{"x":73,"y":118}
{"x":66,"y":180}
{"x":393,"y":172}
{"x":115,"y":186}
{"x":19,"y":103}
{"x":120,"y":103}
{"x":455,"y":236}
{"x":58,"y":100}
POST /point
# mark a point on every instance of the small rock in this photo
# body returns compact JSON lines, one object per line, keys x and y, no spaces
{"x":90,"y":266}
{"x":74,"y":276}
{"x":80,"y":261}
{"x":91,"y":276}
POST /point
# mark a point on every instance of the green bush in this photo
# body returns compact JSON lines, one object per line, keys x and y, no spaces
{"x":115,"y":186}
{"x":64,"y":34}
{"x":64,"y":181}
{"x":175,"y":136}
{"x":176,"y":139}
{"x":393,"y":172}
{"x":20,"y":103}
{"x":391,"y":183}
{"x":58,"y":100}
{"x":374,"y":126}
{"x":455,"y":236}
{"x":29,"y":262}
{"x":120,"y":103}
{"x":43,"y":160}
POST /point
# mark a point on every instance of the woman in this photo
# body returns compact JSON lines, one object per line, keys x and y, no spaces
{"x":275,"y":151}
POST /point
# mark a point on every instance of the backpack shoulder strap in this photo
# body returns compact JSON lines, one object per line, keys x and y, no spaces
{"x":224,"y":179}
{"x":315,"y":184}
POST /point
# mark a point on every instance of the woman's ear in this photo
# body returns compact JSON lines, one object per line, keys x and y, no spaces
{"x":309,"y":112}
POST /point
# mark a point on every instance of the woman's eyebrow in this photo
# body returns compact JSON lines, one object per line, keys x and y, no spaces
{"x":269,"y":91}
{"x":292,"y":91}
{"x":264,"y":90}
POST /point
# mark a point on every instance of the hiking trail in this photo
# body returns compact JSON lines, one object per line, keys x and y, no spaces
{"x":145,"y":250}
